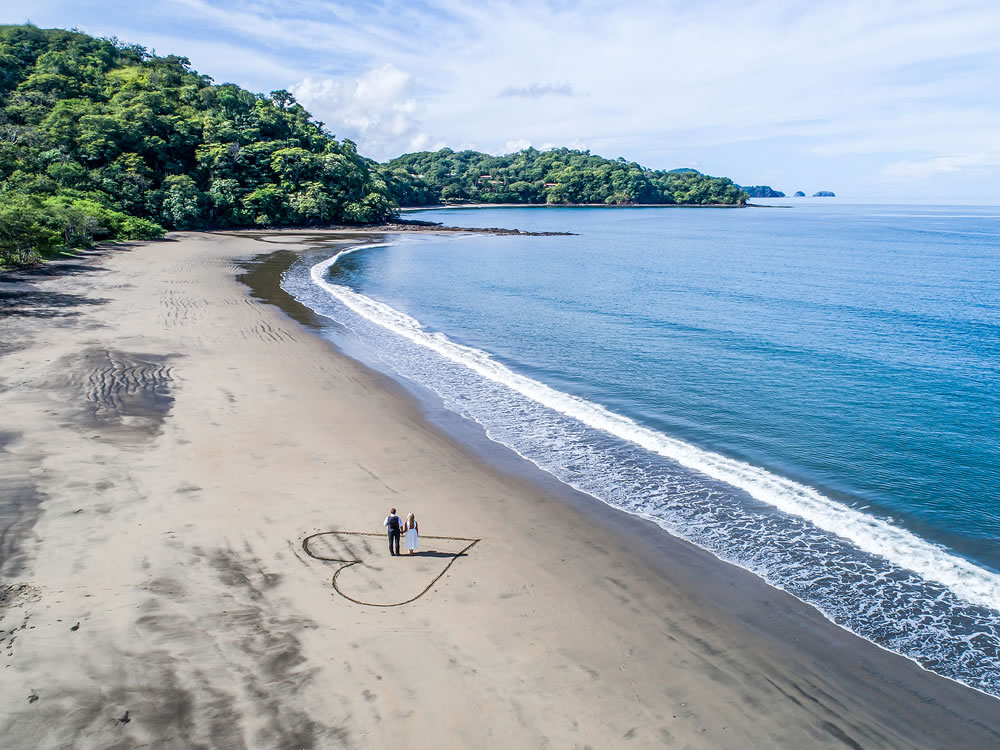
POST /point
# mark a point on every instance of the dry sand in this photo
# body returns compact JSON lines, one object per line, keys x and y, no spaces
{"x":167,"y":443}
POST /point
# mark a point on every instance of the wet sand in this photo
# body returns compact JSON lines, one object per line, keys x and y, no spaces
{"x":185,"y":469}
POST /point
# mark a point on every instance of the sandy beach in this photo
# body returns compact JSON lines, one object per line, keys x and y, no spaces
{"x":192,"y":490}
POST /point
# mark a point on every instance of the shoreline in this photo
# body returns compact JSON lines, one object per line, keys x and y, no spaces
{"x":570,"y":624}
{"x":444,"y":206}
{"x":473,"y":436}
{"x":397,"y":227}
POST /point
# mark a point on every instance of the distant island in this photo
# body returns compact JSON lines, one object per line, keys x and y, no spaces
{"x":101,"y":139}
{"x":761,"y":191}
{"x":766,"y":191}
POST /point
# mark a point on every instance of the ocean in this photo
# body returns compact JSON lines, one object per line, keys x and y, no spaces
{"x":811,"y":393}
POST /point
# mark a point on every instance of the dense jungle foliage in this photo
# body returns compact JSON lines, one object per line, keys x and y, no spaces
{"x":557,"y":176}
{"x":100,"y":139}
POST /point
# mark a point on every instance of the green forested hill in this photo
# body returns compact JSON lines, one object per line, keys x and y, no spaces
{"x":556,"y":176}
{"x":101,"y":139}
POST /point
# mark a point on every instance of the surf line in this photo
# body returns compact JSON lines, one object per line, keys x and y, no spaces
{"x":349,"y":563}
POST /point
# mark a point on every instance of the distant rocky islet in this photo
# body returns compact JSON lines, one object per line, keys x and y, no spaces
{"x":766,"y":191}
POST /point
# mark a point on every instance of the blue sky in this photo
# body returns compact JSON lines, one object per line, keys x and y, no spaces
{"x":876,"y":101}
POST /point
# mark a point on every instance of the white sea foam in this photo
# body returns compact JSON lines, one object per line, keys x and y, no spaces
{"x":875,"y":536}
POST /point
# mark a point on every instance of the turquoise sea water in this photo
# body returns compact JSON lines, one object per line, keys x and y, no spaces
{"x":811,"y":393}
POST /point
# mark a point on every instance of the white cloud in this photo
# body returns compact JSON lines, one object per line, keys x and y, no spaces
{"x":518,"y":145}
{"x":922,"y":169}
{"x":538,"y":90}
{"x":377,"y":110}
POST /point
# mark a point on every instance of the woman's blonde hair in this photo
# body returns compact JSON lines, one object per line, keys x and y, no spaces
{"x":410,"y":518}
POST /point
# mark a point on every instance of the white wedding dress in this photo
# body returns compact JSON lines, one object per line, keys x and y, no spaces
{"x":411,"y":539}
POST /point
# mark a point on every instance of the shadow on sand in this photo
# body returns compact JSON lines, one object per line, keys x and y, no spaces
{"x":431,"y":553}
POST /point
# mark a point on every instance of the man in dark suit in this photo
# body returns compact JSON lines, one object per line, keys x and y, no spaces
{"x":392,"y":523}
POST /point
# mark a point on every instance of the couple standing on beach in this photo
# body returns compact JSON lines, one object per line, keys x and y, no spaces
{"x":410,"y":529}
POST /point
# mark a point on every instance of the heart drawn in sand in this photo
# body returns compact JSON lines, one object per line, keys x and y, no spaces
{"x":368,"y":575}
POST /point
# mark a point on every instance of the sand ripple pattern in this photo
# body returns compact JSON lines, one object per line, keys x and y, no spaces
{"x":266,"y":332}
{"x":178,"y":309}
{"x":123,"y":389}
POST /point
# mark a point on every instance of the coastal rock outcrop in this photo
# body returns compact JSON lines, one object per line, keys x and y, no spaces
{"x":402,"y":225}
{"x":824,"y":194}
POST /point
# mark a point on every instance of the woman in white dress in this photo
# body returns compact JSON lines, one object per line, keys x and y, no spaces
{"x":410,"y":527}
